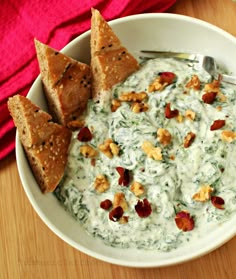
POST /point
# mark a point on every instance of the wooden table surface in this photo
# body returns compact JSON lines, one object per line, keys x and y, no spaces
{"x":28,"y":249}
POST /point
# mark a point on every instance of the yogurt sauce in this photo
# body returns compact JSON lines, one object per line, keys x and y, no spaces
{"x":169,"y":183}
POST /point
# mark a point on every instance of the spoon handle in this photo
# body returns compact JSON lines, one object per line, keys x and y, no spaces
{"x":228,"y":79}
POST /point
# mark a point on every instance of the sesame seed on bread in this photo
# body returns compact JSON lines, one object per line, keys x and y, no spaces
{"x":102,"y":36}
{"x":33,"y":123}
{"x":111,"y":62}
{"x":66,"y":83}
{"x":48,"y":160}
{"x":46,"y":143}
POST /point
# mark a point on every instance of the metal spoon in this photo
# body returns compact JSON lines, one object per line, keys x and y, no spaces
{"x":199,"y":61}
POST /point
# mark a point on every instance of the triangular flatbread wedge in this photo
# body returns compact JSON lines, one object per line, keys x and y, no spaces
{"x":33,"y":123}
{"x":45,"y":143}
{"x":66,"y":83}
{"x":102,"y":36}
{"x":111,"y":62}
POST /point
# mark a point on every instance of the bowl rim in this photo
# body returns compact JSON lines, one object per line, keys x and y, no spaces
{"x":156,"y":15}
{"x":121,"y":262}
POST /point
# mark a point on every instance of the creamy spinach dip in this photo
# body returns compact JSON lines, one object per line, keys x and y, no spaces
{"x":172,"y":183}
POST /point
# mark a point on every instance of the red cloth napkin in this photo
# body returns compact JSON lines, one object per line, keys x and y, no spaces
{"x":54,"y":23}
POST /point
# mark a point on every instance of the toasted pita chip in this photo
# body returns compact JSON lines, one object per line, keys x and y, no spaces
{"x":67,"y":83}
{"x":45,"y":143}
{"x":111,"y":62}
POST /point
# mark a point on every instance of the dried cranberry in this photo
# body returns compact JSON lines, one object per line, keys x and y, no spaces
{"x":218,"y":202}
{"x":209,"y":97}
{"x":167,"y":77}
{"x":116,"y":213}
{"x":84,"y":134}
{"x":125,"y":176}
{"x":170,"y":113}
{"x":143,"y":208}
{"x":217,"y":124}
{"x":106,"y":204}
{"x":184,"y":221}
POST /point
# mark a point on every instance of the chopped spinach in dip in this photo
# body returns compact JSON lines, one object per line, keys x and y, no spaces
{"x":169,"y":183}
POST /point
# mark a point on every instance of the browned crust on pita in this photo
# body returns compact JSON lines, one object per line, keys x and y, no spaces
{"x":45,"y":143}
{"x":111,"y":62}
{"x":67,"y":83}
{"x":102,"y":36}
{"x":33,"y":123}
{"x":48,"y":160}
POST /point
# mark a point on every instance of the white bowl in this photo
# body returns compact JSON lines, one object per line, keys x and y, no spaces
{"x":147,"y":31}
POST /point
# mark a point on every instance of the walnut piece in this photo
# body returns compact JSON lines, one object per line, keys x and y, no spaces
{"x":139,"y":107}
{"x":157,"y":85}
{"x":115,"y":104}
{"x":119,"y":200}
{"x":114,"y":148}
{"x":203,"y":194}
{"x":189,"y":114}
{"x":133,"y":97}
{"x":222,"y":97}
{"x":228,"y":135}
{"x":151,"y":151}
{"x":109,"y":148}
{"x":88,"y":151}
{"x":214,"y":86}
{"x":101,"y":184}
{"x":163,"y":79}
{"x":124,"y":220}
{"x":75,"y":124}
{"x":137,"y":188}
{"x":189,"y":139}
{"x":194,"y":83}
{"x":105,"y":148}
{"x":172,"y":157}
{"x":180,"y":118}
{"x":164,"y":136}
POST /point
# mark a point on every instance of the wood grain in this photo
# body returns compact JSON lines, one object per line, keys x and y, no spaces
{"x":28,"y":249}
